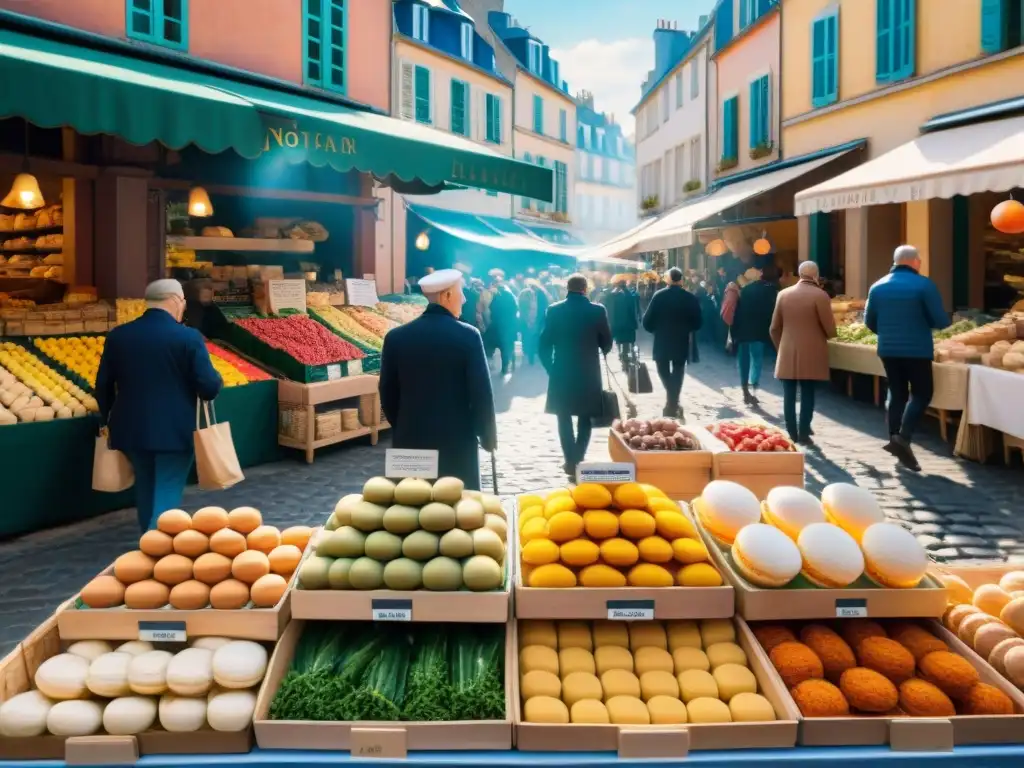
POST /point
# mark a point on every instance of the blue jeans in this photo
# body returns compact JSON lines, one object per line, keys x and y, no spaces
{"x":160,"y":479}
{"x":798,"y":431}
{"x":751,"y":359}
{"x":574,"y":446}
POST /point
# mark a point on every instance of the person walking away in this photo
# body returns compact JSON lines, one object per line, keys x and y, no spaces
{"x":472,"y":293}
{"x":504,"y":324}
{"x":730,"y":299}
{"x":624,"y":316}
{"x":673,"y":316}
{"x":532,"y":305}
{"x":751,"y":329}
{"x":903,"y":308}
{"x":435,"y":385}
{"x":801,"y":326}
{"x":576,"y":333}
{"x":152,"y":375}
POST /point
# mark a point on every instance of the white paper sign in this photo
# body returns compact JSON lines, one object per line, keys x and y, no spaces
{"x":333,"y":372}
{"x":408,"y":463}
{"x":630,"y":610}
{"x":392,"y":614}
{"x":851,"y":609}
{"x":361,"y":293}
{"x":606,"y":472}
{"x":162,"y":631}
{"x":286,"y":294}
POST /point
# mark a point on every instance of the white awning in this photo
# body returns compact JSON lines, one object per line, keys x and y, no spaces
{"x":985,"y":157}
{"x":674,"y":229}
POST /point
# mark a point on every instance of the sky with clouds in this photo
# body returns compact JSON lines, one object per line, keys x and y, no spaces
{"x":605,"y":46}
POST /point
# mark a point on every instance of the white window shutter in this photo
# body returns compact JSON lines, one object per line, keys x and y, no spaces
{"x":407,"y":92}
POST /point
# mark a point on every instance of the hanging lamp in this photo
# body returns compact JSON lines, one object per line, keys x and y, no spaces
{"x":762,"y":246}
{"x":422,"y":241}
{"x":716,"y":247}
{"x":199,"y":204}
{"x":25,"y":194}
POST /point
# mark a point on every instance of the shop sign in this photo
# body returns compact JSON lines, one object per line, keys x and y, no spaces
{"x":286,"y":294}
{"x":475,"y":176}
{"x":630,"y":610}
{"x":862,"y":198}
{"x":410,"y":463}
{"x":361,"y":293}
{"x":607,"y":472}
{"x":162,"y":631}
{"x":851,"y":608}
{"x":331,"y":144}
{"x":391,"y":610}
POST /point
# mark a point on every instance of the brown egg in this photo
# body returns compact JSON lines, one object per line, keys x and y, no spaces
{"x":173,"y":569}
{"x":190,"y":596}
{"x":264,"y":539}
{"x":133,"y":566}
{"x":229,"y":595}
{"x":250,"y":566}
{"x":297,"y":536}
{"x":191,"y":543}
{"x":285,"y":559}
{"x":268,"y":590}
{"x":147,"y":595}
{"x":245,"y":520}
{"x":212,"y":568}
{"x":228,"y":543}
{"x":103,"y":592}
{"x":173,"y":521}
{"x":156,"y":543}
{"x":209,"y":520}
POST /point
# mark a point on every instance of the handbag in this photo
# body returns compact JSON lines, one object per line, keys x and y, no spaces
{"x":609,"y":403}
{"x":111,"y":470}
{"x":216,"y":461}
{"x":638,"y":375}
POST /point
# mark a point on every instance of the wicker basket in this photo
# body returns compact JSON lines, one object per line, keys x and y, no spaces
{"x":855,"y":358}
{"x":950,"y":382}
{"x":328,"y":424}
{"x":292,"y":421}
{"x":350,"y":419}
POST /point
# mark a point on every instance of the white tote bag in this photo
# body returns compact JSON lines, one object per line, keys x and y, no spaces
{"x":111,"y":470}
{"x":216,"y":461}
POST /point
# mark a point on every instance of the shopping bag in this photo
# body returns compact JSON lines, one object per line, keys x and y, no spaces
{"x":216,"y":461}
{"x":111,"y":470}
{"x":638,"y":376}
{"x":609,"y":403}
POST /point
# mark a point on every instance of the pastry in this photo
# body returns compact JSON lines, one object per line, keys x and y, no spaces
{"x":851,"y":507}
{"x":836,"y":656}
{"x":724,"y":508}
{"x":795,"y":662}
{"x":765,"y":556}
{"x":819,"y":698}
{"x":831,"y":557}
{"x":748,"y":707}
{"x":887,"y":657}
{"x":868,"y":691}
{"x":792,"y":509}
{"x":893,"y":557}
{"x":954,"y":675}
{"x":733,"y":679}
{"x":920,"y":698}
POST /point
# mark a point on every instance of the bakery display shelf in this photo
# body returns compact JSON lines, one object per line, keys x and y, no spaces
{"x":35,"y":249}
{"x":254,"y":244}
{"x":50,"y":230}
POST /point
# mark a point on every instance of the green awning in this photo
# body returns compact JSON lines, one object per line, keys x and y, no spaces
{"x":52,"y":83}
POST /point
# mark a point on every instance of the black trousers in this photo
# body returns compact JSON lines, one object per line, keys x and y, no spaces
{"x":671,"y":372}
{"x":910,"y":391}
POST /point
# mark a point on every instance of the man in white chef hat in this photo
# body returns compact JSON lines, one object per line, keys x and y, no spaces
{"x":435,"y":385}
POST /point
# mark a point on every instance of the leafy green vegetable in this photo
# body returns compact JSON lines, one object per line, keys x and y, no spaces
{"x":380,"y":693}
{"x":477,"y":665}
{"x":429,"y":691}
{"x":311,"y":687}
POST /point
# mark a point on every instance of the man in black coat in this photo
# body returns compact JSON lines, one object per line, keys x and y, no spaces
{"x":575,"y":334}
{"x":672,"y":316}
{"x":435,"y":385}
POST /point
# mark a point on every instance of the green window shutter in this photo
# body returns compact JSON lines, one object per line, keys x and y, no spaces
{"x":993,"y":25}
{"x":161,"y":22}
{"x":493,"y":119}
{"x":766,"y":108}
{"x":904,"y":49}
{"x":538,"y":114}
{"x":730,"y":131}
{"x":561,"y":187}
{"x":884,"y":32}
{"x":459,"y":124}
{"x":820,"y":251}
{"x":744,"y":13}
{"x":325,"y":30}
{"x":755,"y":113}
{"x":526,"y":201}
{"x":818,"y":62}
{"x":423,"y":111}
{"x":832,"y":58}
{"x":541,"y":205}
{"x":334,"y":45}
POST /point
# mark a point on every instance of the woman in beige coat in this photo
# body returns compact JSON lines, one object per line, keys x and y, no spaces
{"x":801,"y":327}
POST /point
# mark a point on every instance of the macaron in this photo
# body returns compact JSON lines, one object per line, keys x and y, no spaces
{"x":765,"y":556}
{"x":852,"y":508}
{"x":893,"y":557}
{"x":831,"y":557}
{"x":725,"y":508}
{"x":791,"y":509}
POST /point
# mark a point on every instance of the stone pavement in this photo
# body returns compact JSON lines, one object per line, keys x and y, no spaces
{"x":959,"y":510}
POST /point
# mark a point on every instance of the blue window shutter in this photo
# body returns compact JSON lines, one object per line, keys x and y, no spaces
{"x":497,"y":120}
{"x":493,"y":119}
{"x":884,"y":33}
{"x":744,"y":13}
{"x":423,"y":113}
{"x":755,"y":113}
{"x":162,"y":22}
{"x":730,"y":138}
{"x":993,"y":25}
{"x":763,"y":6}
{"x":765,"y":105}
{"x":334,"y":44}
{"x":525,"y":202}
{"x":832,"y":58}
{"x":325,"y":31}
{"x":538,"y":114}
{"x":904,"y":38}
{"x":819,"y":62}
{"x":723,"y":25}
{"x":458,"y":108}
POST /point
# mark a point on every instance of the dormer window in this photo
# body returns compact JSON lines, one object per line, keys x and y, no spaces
{"x":535,"y":57}
{"x":467,"y":41}
{"x":421,"y":22}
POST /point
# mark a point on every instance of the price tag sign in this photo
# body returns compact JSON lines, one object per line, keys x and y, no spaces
{"x":608,"y":472}
{"x":333,"y":372}
{"x":286,"y":294}
{"x":391,"y":610}
{"x":361,"y":293}
{"x":849,"y":608}
{"x":162,"y":631}
{"x":407,"y":463}
{"x":378,"y":743}
{"x":631,"y":610}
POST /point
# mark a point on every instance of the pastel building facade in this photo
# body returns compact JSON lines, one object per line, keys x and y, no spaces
{"x":605,"y":174}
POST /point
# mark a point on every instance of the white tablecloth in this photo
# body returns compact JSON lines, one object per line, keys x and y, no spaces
{"x":994,"y":400}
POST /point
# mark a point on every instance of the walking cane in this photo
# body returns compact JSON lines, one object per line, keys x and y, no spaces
{"x":494,"y":474}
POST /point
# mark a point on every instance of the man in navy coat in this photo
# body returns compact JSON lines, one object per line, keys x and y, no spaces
{"x":435,"y":385}
{"x":153,"y":373}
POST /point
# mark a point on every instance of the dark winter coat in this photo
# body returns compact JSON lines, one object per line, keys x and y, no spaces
{"x":504,"y":317}
{"x":623,"y":315}
{"x":576,"y":333}
{"x":753,"y":319}
{"x":672,"y":316}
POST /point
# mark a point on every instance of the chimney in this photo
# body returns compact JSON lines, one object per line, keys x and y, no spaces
{"x":702,"y":21}
{"x":669,"y":45}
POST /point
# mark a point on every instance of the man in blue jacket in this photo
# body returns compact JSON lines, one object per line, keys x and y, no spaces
{"x":903,"y":308}
{"x":152,"y":375}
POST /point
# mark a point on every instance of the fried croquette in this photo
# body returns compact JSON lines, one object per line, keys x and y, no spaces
{"x":819,"y":698}
{"x":922,"y":699}
{"x":836,"y":656}
{"x":953,"y":674}
{"x":984,"y":699}
{"x":796,"y":662}
{"x":868,"y":691}
{"x":771,"y":635}
{"x":854,"y":631}
{"x":919,"y":641}
{"x":887,"y":657}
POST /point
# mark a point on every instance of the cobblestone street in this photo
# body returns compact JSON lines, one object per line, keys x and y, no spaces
{"x":960,"y":511}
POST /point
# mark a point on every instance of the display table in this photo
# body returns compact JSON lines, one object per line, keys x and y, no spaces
{"x":991,"y":406}
{"x":298,"y":411}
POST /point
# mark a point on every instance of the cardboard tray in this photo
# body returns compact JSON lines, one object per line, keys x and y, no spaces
{"x":596,"y":604}
{"x":17,"y":671}
{"x":680,"y":474}
{"x":924,"y":734}
{"x":666,"y":741}
{"x":759,"y":472}
{"x":378,"y":739}
{"x":977,"y":575}
{"x":800,"y":599}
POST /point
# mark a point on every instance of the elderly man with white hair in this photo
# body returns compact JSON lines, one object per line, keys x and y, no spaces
{"x":153,"y":372}
{"x":801,"y":327}
{"x":904,"y":307}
